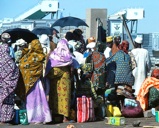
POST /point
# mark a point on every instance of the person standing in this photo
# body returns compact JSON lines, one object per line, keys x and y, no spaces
{"x":109,"y":42}
{"x":9,"y":74}
{"x":58,"y":78}
{"x":143,"y":64}
{"x":119,"y":74}
{"x":31,"y":68}
{"x":55,"y":37}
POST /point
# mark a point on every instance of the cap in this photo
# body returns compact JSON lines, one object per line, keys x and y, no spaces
{"x":138,"y":40}
{"x":109,"y":39}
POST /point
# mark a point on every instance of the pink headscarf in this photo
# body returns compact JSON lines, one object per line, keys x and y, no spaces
{"x":61,"y":56}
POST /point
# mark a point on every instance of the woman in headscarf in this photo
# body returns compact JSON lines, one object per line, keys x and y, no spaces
{"x":58,"y":73}
{"x":123,"y":80}
{"x":31,"y":67}
{"x":125,"y":47}
{"x":149,"y":88}
{"x":9,"y":74}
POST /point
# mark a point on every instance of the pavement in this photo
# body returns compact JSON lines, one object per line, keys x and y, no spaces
{"x":145,"y":122}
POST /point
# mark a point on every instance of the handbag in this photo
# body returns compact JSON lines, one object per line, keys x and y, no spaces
{"x":23,"y":117}
{"x":132,"y":111}
{"x":85,"y":109}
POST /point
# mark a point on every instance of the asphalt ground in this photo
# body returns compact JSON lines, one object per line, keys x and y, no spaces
{"x":149,"y":122}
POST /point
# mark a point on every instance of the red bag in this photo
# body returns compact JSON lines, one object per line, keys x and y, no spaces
{"x":91,"y":109}
{"x":85,"y":109}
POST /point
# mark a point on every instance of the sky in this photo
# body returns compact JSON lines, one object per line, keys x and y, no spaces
{"x":77,"y":8}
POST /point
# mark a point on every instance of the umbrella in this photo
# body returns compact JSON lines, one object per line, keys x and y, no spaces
{"x":18,"y":33}
{"x":44,"y":30}
{"x":69,"y":21}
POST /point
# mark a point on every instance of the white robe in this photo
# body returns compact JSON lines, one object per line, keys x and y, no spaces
{"x":107,"y":52}
{"x":143,"y":67}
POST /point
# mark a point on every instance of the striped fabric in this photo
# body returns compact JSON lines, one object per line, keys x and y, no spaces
{"x":85,"y":109}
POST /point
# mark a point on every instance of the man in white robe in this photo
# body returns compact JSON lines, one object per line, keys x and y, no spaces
{"x":107,"y":51}
{"x":143,"y":64}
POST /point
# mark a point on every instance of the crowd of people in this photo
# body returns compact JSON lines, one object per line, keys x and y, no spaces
{"x":49,"y":73}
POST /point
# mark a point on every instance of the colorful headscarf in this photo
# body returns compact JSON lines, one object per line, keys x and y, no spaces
{"x":31,"y":63}
{"x":124,"y":46}
{"x":155,"y":73}
{"x":61,"y":56}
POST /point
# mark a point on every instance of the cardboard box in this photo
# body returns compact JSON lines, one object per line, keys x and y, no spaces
{"x":115,"y":120}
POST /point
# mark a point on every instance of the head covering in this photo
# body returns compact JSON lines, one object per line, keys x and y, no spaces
{"x":109,"y":39}
{"x":61,"y":55}
{"x":124,"y":46}
{"x":20,"y":42}
{"x":138,"y":40}
{"x":31,"y":63}
{"x":5,"y":36}
{"x":91,"y":39}
{"x":155,"y":73}
{"x":44,"y":39}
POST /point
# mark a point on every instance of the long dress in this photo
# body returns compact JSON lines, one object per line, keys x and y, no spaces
{"x":119,"y":70}
{"x":36,"y":104}
{"x":9,"y":74}
{"x":58,"y":72}
{"x":143,"y":67}
{"x":60,"y":90}
{"x":31,"y":67}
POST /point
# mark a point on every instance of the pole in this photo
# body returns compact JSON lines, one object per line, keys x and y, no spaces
{"x":127,"y":30}
{"x":97,"y":19}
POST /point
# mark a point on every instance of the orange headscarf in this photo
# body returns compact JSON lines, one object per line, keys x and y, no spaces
{"x":142,"y":97}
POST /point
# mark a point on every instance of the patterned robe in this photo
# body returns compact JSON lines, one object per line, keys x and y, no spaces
{"x":9,"y":74}
{"x":60,"y":90}
{"x":31,"y":67}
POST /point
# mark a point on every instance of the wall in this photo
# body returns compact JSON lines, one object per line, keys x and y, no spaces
{"x":91,"y":15}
